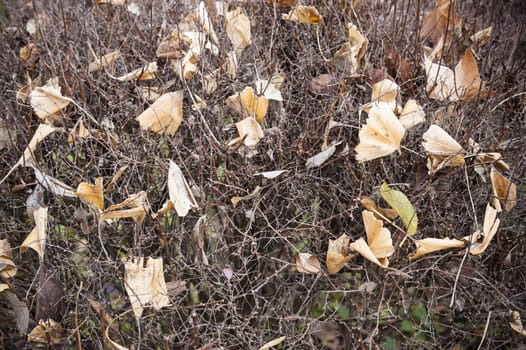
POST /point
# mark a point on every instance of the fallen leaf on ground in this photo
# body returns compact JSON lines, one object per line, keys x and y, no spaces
{"x":181,"y":197}
{"x":320,"y":158}
{"x":267,"y":89}
{"x":47,"y":101}
{"x":7,"y":266}
{"x":308,"y":263}
{"x":18,"y":307}
{"x":379,"y":245}
{"x":380,"y":213}
{"x":401,"y":204}
{"x":104,"y":61}
{"x":482,"y":36}
{"x":337,"y":254}
{"x":145,"y":73}
{"x":23,"y":94}
{"x":46,"y":332}
{"x":238,"y":29}
{"x":134,"y":207}
{"x":272,"y":343}
{"x":504,"y":191}
{"x":350,"y":54}
{"x":430,"y":245}
{"x":115,"y":178}
{"x":164,"y":115}
{"x":304,"y":14}
{"x":412,"y":114}
{"x":36,"y":239}
{"x":516,"y":323}
{"x":442,"y":149}
{"x":380,"y":136}
{"x":248,"y":104}
{"x":56,"y":187}
{"x":29,"y":53}
{"x":489,"y":229}
{"x":441,"y":21}
{"x":250,"y":132}
{"x":92,"y":195}
{"x":145,"y":285}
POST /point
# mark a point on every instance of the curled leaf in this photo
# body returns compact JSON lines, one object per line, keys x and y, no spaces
{"x":92,"y":195}
{"x":337,"y":254}
{"x":401,"y":204}
{"x":308,"y":263}
{"x":164,"y":115}
{"x":430,"y":245}
{"x":304,"y":14}
{"x":36,"y":239}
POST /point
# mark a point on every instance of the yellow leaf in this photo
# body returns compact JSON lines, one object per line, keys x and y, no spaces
{"x":134,"y":207}
{"x":47,"y":101}
{"x":489,"y":229}
{"x":304,"y":14}
{"x":238,"y":29}
{"x":248,"y":104}
{"x":380,"y":136}
{"x":249,"y":131}
{"x":272,"y":343}
{"x":308,"y":263}
{"x":7,"y":266}
{"x":105,"y":61}
{"x":430,"y":245}
{"x":47,"y":332}
{"x":504,"y":191}
{"x":36,"y":239}
{"x":145,"y":285}
{"x":145,"y":73}
{"x":442,"y":149}
{"x":337,"y":255}
{"x":164,"y":115}
{"x":92,"y":195}
{"x":399,"y":202}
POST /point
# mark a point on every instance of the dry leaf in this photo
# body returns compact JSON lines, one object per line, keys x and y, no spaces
{"x":19,"y":309}
{"x":380,"y":136}
{"x":78,"y":132}
{"x":36,"y":239}
{"x":462,"y":84}
{"x":3,"y":287}
{"x":379,"y":244}
{"x":271,"y":174}
{"x":337,"y":254}
{"x":104,"y":62}
{"x":47,"y":101}
{"x":57,"y":187}
{"x":135,"y":207}
{"x":401,"y":204}
{"x":112,"y":2}
{"x":267,"y":89}
{"x":283,"y":3}
{"x":516,"y":323}
{"x":145,"y":73}
{"x":412,"y":114}
{"x":145,"y":285}
{"x":165,"y":115}
{"x":181,"y":197}
{"x":7,"y":266}
{"x":304,"y":14}
{"x":442,"y":149}
{"x":115,"y":178}
{"x":308,"y":263}
{"x":320,"y":158}
{"x":47,"y":332}
{"x":29,"y":53}
{"x":430,"y":245}
{"x":248,"y":104}
{"x":482,"y":36}
{"x":324,"y":84}
{"x":380,"y":213}
{"x":249,"y":131}
{"x":28,"y":159}
{"x":22,"y":95}
{"x":385,"y":91}
{"x":170,"y":47}
{"x":272,"y":343}
{"x":489,"y":228}
{"x":503,"y":190}
{"x":441,"y":21}
{"x":398,"y":65}
{"x":92,"y":195}
{"x":203,"y":18}
{"x":349,"y":56}
{"x":238,"y":29}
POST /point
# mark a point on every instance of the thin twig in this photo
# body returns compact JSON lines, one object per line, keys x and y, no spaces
{"x":485,"y":331}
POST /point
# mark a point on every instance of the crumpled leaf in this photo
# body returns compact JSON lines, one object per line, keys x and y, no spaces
{"x":337,"y":254}
{"x":304,"y":14}
{"x":412,"y":114}
{"x":36,"y":239}
{"x":135,"y":207}
{"x":145,"y":285}
{"x":348,"y":57}
{"x":104,"y":61}
{"x":181,"y":197}
{"x":320,"y":158}
{"x":462,"y":84}
{"x":249,"y":131}
{"x":268,"y":89}
{"x":430,"y":245}
{"x":57,"y":187}
{"x":19,"y":308}
{"x":145,"y":73}
{"x":441,"y":21}
{"x":46,"y":332}
{"x":504,"y":191}
{"x":380,"y":136}
{"x":92,"y":195}
{"x":516,"y":323}
{"x":379,"y":245}
{"x":308,"y":263}
{"x":489,"y":229}
{"x":248,"y":104}
{"x":47,"y":101}
{"x":238,"y":29}
{"x":401,"y":204}
{"x":272,"y":343}
{"x":164,"y":115}
{"x":482,"y":36}
{"x":7,"y":266}
{"x":442,"y":149}
{"x":379,"y":212}
{"x":29,"y":53}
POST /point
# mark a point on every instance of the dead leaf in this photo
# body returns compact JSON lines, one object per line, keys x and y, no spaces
{"x":22,"y":95}
{"x":504,"y":191}
{"x":181,"y":197}
{"x":112,"y":2}
{"x":198,"y":236}
{"x":412,"y":114}
{"x":348,"y":57}
{"x":47,"y":101}
{"x":36,"y":239}
{"x":115,"y":178}
{"x":489,"y":229}
{"x":397,"y":65}
{"x":272,"y":343}
{"x":56,"y":187}
{"x":268,"y":90}
{"x":324,"y":84}
{"x":104,"y":62}
{"x":250,"y":132}
{"x":78,"y":132}
{"x":304,"y":14}
{"x":441,"y":21}
{"x":145,"y":73}
{"x":202,"y":17}
{"x":308,"y":263}
{"x":271,"y":174}
{"x":49,"y":297}
{"x":165,"y":115}
{"x":19,"y":308}
{"x":283,"y":3}
{"x":337,"y":254}
{"x":401,"y":204}
{"x":430,"y":245}
{"x":134,"y":207}
{"x":145,"y":285}
{"x":516,"y":323}
{"x":442,"y":149}
{"x":386,"y":92}
{"x":380,"y":136}
{"x":46,"y":332}
{"x":7,"y":266}
{"x":3,"y":287}
{"x":482,"y":36}
{"x":379,"y":245}
{"x":238,"y":29}
{"x":92,"y":195}
{"x":248,"y":104}
{"x":370,"y":205}
{"x":29,"y":53}
{"x":320,"y":158}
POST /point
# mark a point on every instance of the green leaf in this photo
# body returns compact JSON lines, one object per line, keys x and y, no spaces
{"x":389,"y":343}
{"x":399,"y":202}
{"x":407,"y":327}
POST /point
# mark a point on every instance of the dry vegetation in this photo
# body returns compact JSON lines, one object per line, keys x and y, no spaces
{"x":363,"y":306}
